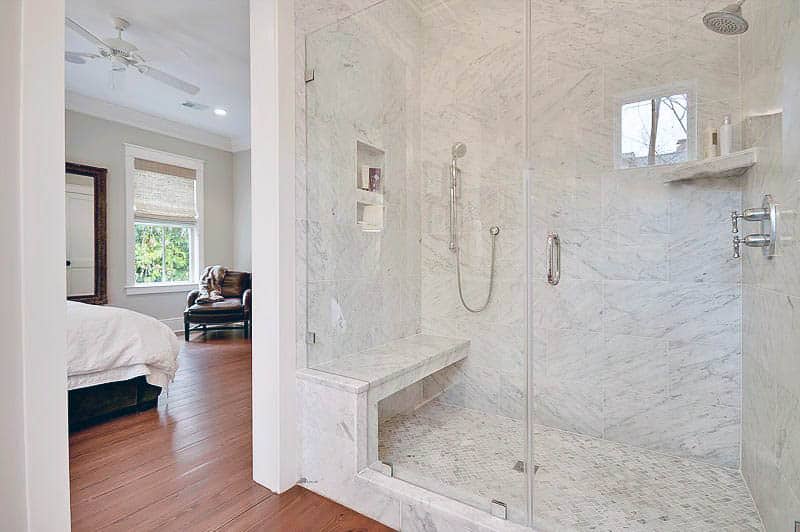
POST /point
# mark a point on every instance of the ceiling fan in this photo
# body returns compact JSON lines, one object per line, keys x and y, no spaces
{"x":122,"y":54}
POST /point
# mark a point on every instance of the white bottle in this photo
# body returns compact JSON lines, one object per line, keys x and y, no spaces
{"x":726,"y":136}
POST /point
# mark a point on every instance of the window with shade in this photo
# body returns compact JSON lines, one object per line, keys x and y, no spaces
{"x":165,"y":218}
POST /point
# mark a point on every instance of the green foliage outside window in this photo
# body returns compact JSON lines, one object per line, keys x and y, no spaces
{"x":162,"y":253}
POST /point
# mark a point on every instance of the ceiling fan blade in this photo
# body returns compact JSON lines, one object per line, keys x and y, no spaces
{"x":79,"y":58}
{"x":86,"y":34}
{"x":168,"y":79}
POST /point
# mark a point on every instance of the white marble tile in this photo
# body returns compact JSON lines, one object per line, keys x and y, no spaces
{"x":475,"y":387}
{"x":636,"y":365}
{"x":570,"y":305}
{"x":574,"y":356}
{"x":580,"y":482}
{"x":674,"y":425}
{"x":568,"y":405}
{"x":787,"y":450}
{"x":705,"y":373}
{"x":626,"y":256}
{"x":417,"y":519}
{"x":688,"y":312}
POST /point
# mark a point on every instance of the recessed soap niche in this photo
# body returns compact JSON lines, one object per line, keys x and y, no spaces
{"x":370,"y":184}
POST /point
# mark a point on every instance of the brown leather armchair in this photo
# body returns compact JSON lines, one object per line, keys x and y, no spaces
{"x":233,"y":309}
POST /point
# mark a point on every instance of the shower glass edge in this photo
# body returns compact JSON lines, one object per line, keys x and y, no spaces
{"x":356,"y":62}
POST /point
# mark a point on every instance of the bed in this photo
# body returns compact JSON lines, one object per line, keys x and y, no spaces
{"x":118,"y":361}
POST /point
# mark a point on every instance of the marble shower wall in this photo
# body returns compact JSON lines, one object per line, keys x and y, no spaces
{"x":640,"y":342}
{"x":363,"y":288}
{"x":473,"y":92}
{"x":771,"y":287}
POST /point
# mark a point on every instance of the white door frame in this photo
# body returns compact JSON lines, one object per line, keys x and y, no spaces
{"x":272,"y":108}
{"x":34,"y":460}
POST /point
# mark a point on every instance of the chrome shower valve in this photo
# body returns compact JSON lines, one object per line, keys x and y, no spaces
{"x":756,"y":240}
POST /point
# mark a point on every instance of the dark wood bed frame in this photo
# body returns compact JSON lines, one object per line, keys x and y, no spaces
{"x":95,"y":404}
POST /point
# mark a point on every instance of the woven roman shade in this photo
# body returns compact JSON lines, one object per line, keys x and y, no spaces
{"x":164,"y":193}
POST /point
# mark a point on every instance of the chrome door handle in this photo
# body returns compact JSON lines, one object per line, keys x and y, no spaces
{"x":553,"y":258}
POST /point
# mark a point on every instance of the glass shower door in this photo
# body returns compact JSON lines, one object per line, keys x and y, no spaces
{"x":394,"y":89}
{"x":636,"y":350}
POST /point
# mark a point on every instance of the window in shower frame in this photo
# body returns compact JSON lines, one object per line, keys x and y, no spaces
{"x":677,"y":110}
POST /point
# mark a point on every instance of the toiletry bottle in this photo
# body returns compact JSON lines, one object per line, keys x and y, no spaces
{"x":710,"y":142}
{"x":726,"y":136}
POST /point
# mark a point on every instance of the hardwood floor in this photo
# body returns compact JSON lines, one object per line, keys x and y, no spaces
{"x":188,"y":465}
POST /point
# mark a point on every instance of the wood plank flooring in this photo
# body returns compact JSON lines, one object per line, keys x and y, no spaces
{"x":188,"y":465}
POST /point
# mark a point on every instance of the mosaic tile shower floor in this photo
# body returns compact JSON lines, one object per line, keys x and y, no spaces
{"x":581,"y":483}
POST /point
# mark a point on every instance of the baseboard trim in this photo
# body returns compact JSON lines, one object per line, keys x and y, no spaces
{"x":176,"y":324}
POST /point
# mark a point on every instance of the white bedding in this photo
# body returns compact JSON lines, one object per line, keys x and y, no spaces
{"x":107,"y":344}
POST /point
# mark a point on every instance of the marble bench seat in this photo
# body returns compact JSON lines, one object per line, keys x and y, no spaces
{"x":414,"y":357}
{"x":372,"y":375}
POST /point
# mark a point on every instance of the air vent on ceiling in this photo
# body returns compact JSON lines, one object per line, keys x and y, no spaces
{"x":194,"y":105}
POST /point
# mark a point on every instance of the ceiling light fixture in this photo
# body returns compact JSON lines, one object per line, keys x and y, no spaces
{"x":219,"y":111}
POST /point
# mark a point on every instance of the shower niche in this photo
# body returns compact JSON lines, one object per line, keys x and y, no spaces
{"x":369,"y":183}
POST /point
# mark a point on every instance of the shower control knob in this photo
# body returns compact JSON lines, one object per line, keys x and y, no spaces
{"x":757,"y":240}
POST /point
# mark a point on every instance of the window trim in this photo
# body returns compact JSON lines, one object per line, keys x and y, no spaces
{"x":132,"y":152}
{"x":687,"y":87}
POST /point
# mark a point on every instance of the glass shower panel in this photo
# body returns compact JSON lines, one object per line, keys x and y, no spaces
{"x":395,"y":252}
{"x":635,"y":353}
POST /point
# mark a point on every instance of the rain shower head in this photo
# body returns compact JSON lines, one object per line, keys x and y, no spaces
{"x":729,"y":21}
{"x":459,"y":150}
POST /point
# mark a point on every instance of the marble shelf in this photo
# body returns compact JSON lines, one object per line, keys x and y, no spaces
{"x":732,"y":165}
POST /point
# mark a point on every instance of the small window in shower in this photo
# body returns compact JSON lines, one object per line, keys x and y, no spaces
{"x":656,"y":127}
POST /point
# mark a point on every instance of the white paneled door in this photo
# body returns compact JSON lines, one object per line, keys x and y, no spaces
{"x":80,"y":240}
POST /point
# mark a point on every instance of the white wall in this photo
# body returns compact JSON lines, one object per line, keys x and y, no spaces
{"x":12,"y":437}
{"x":241,"y":211}
{"x":99,"y":142}
{"x":34,"y":473}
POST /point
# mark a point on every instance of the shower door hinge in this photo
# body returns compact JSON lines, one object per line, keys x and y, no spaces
{"x":499,"y":509}
{"x":386,"y":468}
{"x":311,"y":338}
{"x":309,"y":75}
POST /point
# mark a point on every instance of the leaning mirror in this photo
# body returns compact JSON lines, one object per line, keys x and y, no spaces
{"x":85,"y":224}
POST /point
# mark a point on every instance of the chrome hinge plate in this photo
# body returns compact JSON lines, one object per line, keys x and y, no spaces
{"x":309,"y":77}
{"x":386,"y":468}
{"x":499,"y":509}
{"x":311,"y":338}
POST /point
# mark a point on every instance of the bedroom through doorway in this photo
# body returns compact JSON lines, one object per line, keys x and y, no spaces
{"x":158,"y":262}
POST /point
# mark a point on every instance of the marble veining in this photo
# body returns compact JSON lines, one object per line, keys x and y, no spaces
{"x":770,"y":53}
{"x":380,"y":364}
{"x":580,"y":483}
{"x":640,"y":344}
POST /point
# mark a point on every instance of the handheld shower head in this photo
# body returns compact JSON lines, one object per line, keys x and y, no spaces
{"x":459,"y":150}
{"x":728,"y":21}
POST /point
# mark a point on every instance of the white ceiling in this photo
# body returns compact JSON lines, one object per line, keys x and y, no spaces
{"x":204,"y":42}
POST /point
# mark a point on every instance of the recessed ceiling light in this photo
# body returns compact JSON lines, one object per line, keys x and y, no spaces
{"x":219,"y":111}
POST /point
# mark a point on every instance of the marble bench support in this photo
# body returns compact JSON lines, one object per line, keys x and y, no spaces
{"x":392,"y":367}
{"x":338,"y":433}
